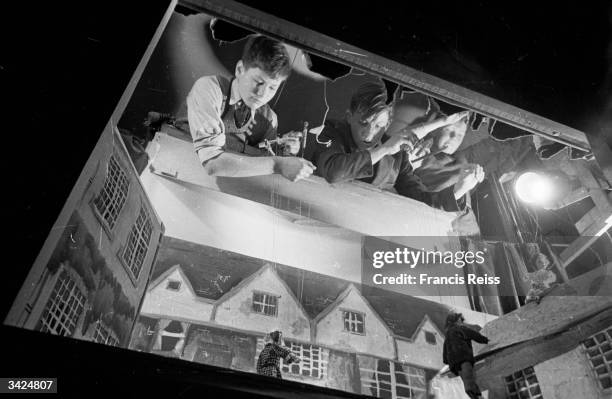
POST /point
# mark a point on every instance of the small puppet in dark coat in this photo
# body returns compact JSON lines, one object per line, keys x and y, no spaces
{"x":458,"y":352}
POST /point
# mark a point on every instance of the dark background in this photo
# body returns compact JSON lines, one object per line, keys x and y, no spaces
{"x":64,"y":66}
{"x":550,"y":58}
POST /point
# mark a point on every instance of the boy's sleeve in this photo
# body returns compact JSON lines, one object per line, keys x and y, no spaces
{"x":475,"y":336}
{"x":410,"y":185}
{"x":204,"y":104}
{"x":282,"y":352}
{"x":336,"y":165}
{"x":291,"y":358}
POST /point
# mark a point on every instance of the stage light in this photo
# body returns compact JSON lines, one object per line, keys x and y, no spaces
{"x":535,"y":188}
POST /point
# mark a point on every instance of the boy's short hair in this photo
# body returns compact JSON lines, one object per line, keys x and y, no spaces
{"x":269,"y":55}
{"x":452,"y":319}
{"x":424,"y":108}
{"x":370,"y":99}
{"x":275,"y":336}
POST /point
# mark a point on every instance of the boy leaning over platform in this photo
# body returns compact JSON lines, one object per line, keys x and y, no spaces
{"x":228,"y":119}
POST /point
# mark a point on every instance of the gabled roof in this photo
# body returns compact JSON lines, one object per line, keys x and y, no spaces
{"x":425,"y":320}
{"x":401,"y":313}
{"x":211,"y":271}
{"x":340,"y":299}
{"x":315,"y":291}
{"x":244,"y":282}
{"x":404,"y":314}
{"x":214,"y":273}
{"x":167,"y":274}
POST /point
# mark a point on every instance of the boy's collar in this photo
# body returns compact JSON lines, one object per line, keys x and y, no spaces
{"x":234,"y":94}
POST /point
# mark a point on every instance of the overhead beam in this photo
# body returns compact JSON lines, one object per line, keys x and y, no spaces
{"x":330,"y":48}
{"x":582,"y":243}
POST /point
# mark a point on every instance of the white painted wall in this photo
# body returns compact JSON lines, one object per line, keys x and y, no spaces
{"x":237,"y":311}
{"x":420,"y":352}
{"x":355,"y":206}
{"x":377,"y":341}
{"x":160,"y":301}
{"x":451,"y":388}
{"x":569,"y":376}
{"x":231,"y":223}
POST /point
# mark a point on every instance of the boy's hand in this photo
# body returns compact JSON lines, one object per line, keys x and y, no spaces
{"x":397,"y":143}
{"x":292,"y":142}
{"x":419,"y":151}
{"x":293,"y":168}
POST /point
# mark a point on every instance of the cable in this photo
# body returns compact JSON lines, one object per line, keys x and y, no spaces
{"x":477,"y":211}
{"x":326,"y":103}
{"x":321,"y":126}
{"x":275,"y":182}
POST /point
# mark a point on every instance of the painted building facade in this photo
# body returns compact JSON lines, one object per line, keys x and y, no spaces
{"x":216,"y":307}
{"x":92,"y":273}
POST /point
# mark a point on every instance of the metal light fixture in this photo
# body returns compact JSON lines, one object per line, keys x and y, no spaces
{"x":535,"y":188}
{"x":547,"y":189}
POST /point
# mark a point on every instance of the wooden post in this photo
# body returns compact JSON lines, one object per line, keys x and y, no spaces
{"x":558,"y":266}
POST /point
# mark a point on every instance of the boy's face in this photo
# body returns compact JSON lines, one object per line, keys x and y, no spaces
{"x":255,"y":86}
{"x":367,"y":132}
{"x":450,"y":137}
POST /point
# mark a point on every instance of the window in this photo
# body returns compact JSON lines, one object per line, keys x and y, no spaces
{"x":265,"y":303}
{"x":387,"y":379}
{"x":172,"y":337}
{"x":375,"y":376}
{"x":353,"y":322}
{"x":523,"y":385}
{"x":599,"y":352}
{"x":137,"y":244}
{"x":64,"y":307}
{"x":410,"y":382}
{"x":104,"y":335}
{"x":430,"y":337}
{"x":111,"y":198}
{"x":173,"y":285}
{"x":313,"y":363}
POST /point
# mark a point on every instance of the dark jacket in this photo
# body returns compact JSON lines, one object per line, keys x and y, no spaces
{"x":343,"y":161}
{"x":441,"y":171}
{"x":458,"y":346}
{"x":269,"y":359}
